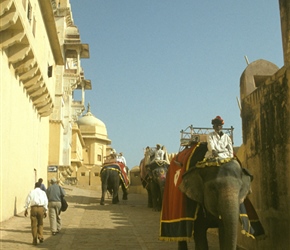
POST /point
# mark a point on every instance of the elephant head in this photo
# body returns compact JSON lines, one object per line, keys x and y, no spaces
{"x":158,"y":175}
{"x":205,"y":185}
{"x":220,"y":190}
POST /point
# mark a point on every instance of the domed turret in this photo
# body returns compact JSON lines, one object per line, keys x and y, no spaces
{"x":90,"y":120}
{"x":72,"y":31}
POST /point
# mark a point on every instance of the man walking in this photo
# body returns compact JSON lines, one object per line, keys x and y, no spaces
{"x":38,"y":202}
{"x":54,"y":193}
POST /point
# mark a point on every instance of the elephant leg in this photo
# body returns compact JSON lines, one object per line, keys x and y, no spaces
{"x":115,"y":199}
{"x":116,"y":186}
{"x":159,"y":201}
{"x":200,"y":231}
{"x":182,"y":245}
{"x":154,"y":192}
{"x":200,"y":237}
{"x":102,"y":202}
{"x":104,"y":179}
{"x":150,"y":204}
{"x":125,"y":191}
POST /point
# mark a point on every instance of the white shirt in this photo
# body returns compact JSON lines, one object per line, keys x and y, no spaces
{"x":159,"y":155}
{"x":221,"y":144}
{"x":121,"y":159}
{"x":36,"y":197}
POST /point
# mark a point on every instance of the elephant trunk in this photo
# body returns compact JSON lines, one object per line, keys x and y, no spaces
{"x":229,"y":215}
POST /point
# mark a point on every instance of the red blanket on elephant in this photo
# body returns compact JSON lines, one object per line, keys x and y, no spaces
{"x":179,"y":212}
{"x":176,"y":222}
{"x":121,"y":168}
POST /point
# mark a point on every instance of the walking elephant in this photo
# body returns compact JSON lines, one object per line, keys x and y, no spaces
{"x":153,"y":177}
{"x":112,"y":178}
{"x":156,"y":182}
{"x":213,"y":195}
{"x":219,"y":191}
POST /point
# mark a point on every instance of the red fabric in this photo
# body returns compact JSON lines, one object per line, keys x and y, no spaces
{"x":173,"y":198}
{"x":123,"y":173}
{"x":176,"y":221}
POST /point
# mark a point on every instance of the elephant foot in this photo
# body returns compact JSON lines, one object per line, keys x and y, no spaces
{"x":150,"y":205}
{"x":125,"y":197}
{"x":102,"y":202}
{"x":182,"y":245}
{"x":115,"y":201}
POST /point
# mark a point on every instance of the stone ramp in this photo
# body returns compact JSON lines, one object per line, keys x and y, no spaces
{"x":87,"y":225}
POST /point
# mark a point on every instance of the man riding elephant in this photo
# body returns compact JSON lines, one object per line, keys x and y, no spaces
{"x":219,"y":144}
{"x":153,"y":170}
{"x":210,"y":186}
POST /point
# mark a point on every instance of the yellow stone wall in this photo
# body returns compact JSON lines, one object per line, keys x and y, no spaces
{"x":24,"y":143}
{"x":266,"y":153}
{"x":24,"y":122}
{"x":55,"y":151}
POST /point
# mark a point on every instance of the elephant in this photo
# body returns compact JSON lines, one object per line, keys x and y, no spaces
{"x":156,"y":181}
{"x":219,"y":191}
{"x":153,"y":178}
{"x":112,"y":179}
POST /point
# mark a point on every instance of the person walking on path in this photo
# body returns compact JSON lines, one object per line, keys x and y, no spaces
{"x":38,"y":202}
{"x":42,"y":186}
{"x":54,"y":193}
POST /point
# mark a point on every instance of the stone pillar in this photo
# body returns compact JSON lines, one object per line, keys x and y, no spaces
{"x":285,"y":28}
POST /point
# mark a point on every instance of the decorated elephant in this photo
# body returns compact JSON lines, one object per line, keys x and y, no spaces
{"x":156,"y":182}
{"x":153,"y":178}
{"x":220,"y":191}
{"x":112,"y":177}
{"x":213,"y":197}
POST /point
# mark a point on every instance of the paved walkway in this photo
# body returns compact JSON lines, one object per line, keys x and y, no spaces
{"x":130,"y":225}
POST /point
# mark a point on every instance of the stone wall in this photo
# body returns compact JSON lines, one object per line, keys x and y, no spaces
{"x":266,"y":153}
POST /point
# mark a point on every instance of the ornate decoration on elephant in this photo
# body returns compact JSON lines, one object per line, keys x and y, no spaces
{"x":153,"y":176}
{"x":209,"y":196}
{"x":113,"y":175}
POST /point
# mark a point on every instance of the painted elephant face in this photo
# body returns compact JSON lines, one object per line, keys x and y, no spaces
{"x":159,"y":174}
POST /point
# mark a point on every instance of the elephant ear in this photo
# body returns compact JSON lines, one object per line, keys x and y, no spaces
{"x":246,"y":186}
{"x":192,"y":186}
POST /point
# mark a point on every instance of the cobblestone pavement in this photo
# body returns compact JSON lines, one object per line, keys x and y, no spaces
{"x":86,"y":224}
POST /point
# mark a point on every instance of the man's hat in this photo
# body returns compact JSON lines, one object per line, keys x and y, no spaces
{"x":53,"y":180}
{"x":217,"y":121}
{"x":158,"y":145}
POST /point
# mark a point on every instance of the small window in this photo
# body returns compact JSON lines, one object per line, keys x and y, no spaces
{"x":29,"y":12}
{"x":83,"y":174}
{"x":96,"y":174}
{"x":49,"y":71}
{"x":34,"y":26}
{"x":99,"y":158}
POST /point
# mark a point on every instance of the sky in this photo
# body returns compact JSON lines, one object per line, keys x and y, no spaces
{"x":159,"y":66}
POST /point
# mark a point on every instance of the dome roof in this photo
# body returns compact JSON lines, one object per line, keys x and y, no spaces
{"x":90,"y":120}
{"x":72,"y":31}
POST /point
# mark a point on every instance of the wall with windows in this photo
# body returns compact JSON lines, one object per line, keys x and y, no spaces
{"x":27,"y":95}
